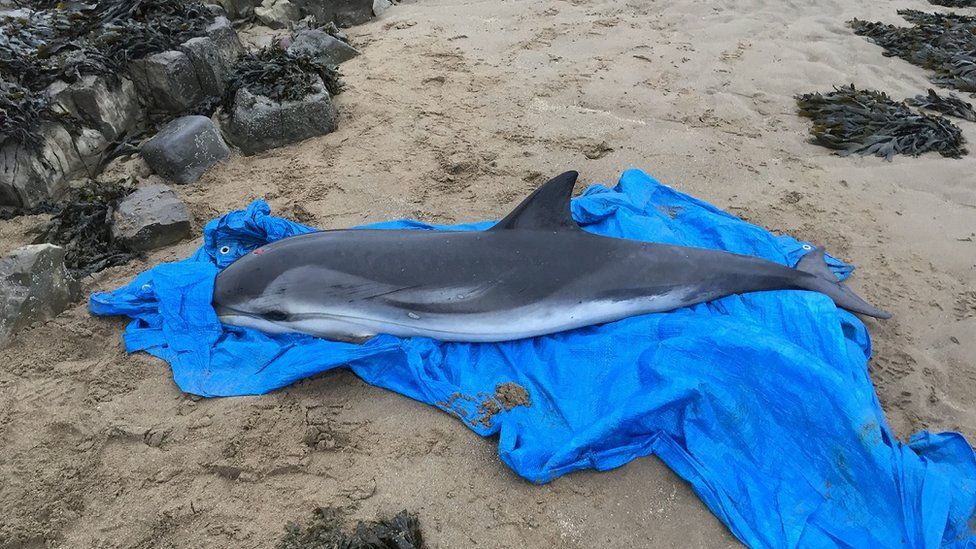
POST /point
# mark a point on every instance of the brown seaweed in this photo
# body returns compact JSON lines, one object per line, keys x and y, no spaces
{"x":82,"y":226}
{"x":954,"y":3}
{"x":279,"y":75}
{"x":949,"y":105}
{"x":325,"y":532}
{"x":868,"y":122}
{"x":944,"y":43}
{"x":49,"y":41}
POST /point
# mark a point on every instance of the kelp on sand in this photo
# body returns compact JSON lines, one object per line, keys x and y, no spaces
{"x":868,"y":122}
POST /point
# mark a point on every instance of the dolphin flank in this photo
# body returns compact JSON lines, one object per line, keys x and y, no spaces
{"x":535,"y":272}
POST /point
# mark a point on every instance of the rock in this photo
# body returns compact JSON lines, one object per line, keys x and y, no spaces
{"x":167,"y":81}
{"x":149,"y":218}
{"x":344,"y":13}
{"x":239,"y":9}
{"x":379,"y":6}
{"x":111,"y":106}
{"x":229,"y":45}
{"x":257,"y":123}
{"x":321,"y":46}
{"x":277,"y":14}
{"x":30,"y":175}
{"x":207,"y":64}
{"x":184,"y":149}
{"x":34,"y":286}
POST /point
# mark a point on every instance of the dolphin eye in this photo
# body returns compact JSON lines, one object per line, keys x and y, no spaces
{"x":276,"y":316}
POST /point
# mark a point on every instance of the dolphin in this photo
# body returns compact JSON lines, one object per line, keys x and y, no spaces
{"x":535,"y":272}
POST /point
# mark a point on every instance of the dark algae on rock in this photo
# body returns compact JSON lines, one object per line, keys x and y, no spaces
{"x":941,"y":42}
{"x":46,"y":41}
{"x":868,"y":122}
{"x":280,"y":76}
{"x":325,"y":531}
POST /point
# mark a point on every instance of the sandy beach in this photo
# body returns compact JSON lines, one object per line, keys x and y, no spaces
{"x":455,"y":110}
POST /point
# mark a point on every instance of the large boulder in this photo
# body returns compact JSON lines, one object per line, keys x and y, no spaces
{"x":167,"y":81}
{"x":344,"y":13}
{"x":321,"y":46}
{"x":229,"y":47}
{"x":277,"y":14}
{"x":151,"y":217}
{"x":33,"y":174}
{"x":257,"y":123}
{"x":110,"y":105}
{"x":184,"y":149}
{"x":380,"y":6}
{"x":34,"y":286}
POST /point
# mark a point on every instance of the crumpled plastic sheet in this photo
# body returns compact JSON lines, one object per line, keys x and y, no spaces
{"x":761,"y":401}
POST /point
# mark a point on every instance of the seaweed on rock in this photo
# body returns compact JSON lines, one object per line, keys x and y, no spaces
{"x":46,"y":41}
{"x":868,"y":122}
{"x":280,"y":76}
{"x":941,"y":42}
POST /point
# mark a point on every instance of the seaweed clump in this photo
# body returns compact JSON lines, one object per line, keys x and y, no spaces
{"x":280,"y":76}
{"x":83,"y":227}
{"x":941,"y":42}
{"x":949,"y":105}
{"x":868,"y":122}
{"x":325,"y":532}
{"x":954,"y":3}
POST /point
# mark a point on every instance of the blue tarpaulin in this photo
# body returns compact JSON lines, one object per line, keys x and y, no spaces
{"x":761,"y":401}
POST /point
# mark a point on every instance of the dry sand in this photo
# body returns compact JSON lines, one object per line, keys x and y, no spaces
{"x":455,"y":110}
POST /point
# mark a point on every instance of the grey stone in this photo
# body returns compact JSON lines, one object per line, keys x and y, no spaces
{"x":213,"y":56}
{"x":30,"y":175}
{"x":322,"y":46}
{"x":379,"y":6}
{"x":277,"y":14}
{"x":149,"y":218}
{"x":111,"y":107}
{"x":239,"y":9}
{"x":344,"y":13}
{"x":34,"y":286}
{"x":229,"y":45}
{"x":167,"y":81}
{"x":257,"y":123}
{"x":184,"y":149}
{"x":207,"y":63}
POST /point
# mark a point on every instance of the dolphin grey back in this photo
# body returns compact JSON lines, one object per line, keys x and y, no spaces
{"x":534,"y":272}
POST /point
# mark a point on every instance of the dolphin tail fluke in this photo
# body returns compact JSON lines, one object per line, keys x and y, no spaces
{"x":814,"y":264}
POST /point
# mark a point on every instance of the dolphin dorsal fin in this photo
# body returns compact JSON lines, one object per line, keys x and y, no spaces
{"x":546,"y":209}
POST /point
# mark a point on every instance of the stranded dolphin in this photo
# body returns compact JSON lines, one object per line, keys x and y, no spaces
{"x":535,"y":272}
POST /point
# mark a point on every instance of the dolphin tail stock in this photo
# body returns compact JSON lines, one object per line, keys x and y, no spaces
{"x":827,"y":283}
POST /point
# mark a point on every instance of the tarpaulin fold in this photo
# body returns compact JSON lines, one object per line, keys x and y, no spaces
{"x":761,"y":401}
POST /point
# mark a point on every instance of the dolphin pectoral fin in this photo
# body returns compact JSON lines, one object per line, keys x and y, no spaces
{"x":545,"y":209}
{"x":827,"y":283}
{"x":815,"y":263}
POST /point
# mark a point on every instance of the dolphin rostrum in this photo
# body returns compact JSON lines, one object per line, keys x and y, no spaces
{"x":535,"y":272}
